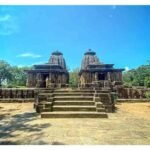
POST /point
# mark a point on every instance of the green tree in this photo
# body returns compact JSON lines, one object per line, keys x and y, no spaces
{"x":19,"y":76}
{"x":5,"y":72}
{"x":73,"y":78}
{"x":128,"y":77}
{"x":147,"y":81}
{"x":138,"y":77}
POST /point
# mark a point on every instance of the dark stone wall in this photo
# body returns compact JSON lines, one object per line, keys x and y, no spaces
{"x":131,"y":93}
{"x":28,"y":94}
{"x":14,"y":93}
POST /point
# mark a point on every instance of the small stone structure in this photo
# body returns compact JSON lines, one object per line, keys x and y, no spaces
{"x":93,"y":73}
{"x":50,"y":75}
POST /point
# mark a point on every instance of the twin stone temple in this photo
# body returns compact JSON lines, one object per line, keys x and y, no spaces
{"x":93,"y":73}
{"x":99,"y":85}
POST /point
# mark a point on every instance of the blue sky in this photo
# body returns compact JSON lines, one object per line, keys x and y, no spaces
{"x":118,"y":34}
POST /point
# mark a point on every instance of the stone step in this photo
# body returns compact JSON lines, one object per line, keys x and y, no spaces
{"x":73,"y":98}
{"x":74,"y":115}
{"x":80,"y":91}
{"x":74,"y":90}
{"x":74,"y":103}
{"x":72,"y":94}
{"x":46,"y":91}
{"x":73,"y":108}
{"x":100,"y":110}
{"x":45,"y":94}
{"x":45,"y":102}
{"x":46,"y":110}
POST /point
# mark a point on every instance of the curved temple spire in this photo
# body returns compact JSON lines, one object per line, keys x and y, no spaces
{"x":90,"y":58}
{"x":57,"y":59}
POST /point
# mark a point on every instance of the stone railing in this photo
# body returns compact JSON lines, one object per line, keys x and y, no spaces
{"x":131,"y":93}
{"x":28,"y":94}
{"x":16,"y":94}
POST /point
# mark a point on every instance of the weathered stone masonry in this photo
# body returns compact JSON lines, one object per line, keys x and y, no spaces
{"x":94,"y":73}
{"x":53,"y":74}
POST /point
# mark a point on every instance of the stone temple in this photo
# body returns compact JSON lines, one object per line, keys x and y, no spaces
{"x":53,"y":74}
{"x":94,"y":73}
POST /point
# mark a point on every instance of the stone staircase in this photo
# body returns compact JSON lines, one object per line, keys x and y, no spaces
{"x":66,"y":103}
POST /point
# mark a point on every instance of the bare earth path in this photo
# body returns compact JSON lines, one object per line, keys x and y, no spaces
{"x":19,"y":124}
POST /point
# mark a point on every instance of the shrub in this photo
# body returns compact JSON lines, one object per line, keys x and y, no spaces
{"x":147,"y":94}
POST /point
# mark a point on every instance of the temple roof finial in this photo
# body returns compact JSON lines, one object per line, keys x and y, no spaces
{"x":57,"y":52}
{"x":57,"y":59}
{"x":89,"y":52}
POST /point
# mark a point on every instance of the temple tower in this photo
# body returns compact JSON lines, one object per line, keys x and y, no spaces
{"x":53,"y":74}
{"x":94,"y":73}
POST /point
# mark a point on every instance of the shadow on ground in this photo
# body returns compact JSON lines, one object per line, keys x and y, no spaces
{"x":19,"y":122}
{"x":1,"y":107}
{"x":3,"y":116}
{"x":57,"y":143}
{"x":8,"y":143}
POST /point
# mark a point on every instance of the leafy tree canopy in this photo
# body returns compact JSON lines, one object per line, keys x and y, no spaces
{"x":5,"y":72}
{"x":12,"y":76}
{"x":73,"y":78}
{"x":138,"y":77}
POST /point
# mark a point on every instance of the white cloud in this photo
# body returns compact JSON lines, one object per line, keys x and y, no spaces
{"x":29,"y":55}
{"x":5,"y":17}
{"x":127,"y":69}
{"x":8,"y":23}
{"x":113,"y":7}
{"x":37,"y":63}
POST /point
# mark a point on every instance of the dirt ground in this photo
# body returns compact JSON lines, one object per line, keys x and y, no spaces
{"x":19,"y":124}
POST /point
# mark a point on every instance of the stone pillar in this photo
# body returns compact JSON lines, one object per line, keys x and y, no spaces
{"x":93,"y":77}
{"x":56,"y":80}
{"x":64,"y":79}
{"x":112,"y":77}
{"x":82,"y":80}
{"x":115,"y":76}
{"x":47,"y":82}
{"x":59,"y":83}
{"x":50,"y":80}
{"x":96,"y":76}
{"x":120,"y":76}
{"x":39,"y":80}
{"x":33,"y":79}
{"x":108,"y":76}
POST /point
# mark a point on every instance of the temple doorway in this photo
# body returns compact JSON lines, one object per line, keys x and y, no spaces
{"x":45,"y":76}
{"x":101,"y":76}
